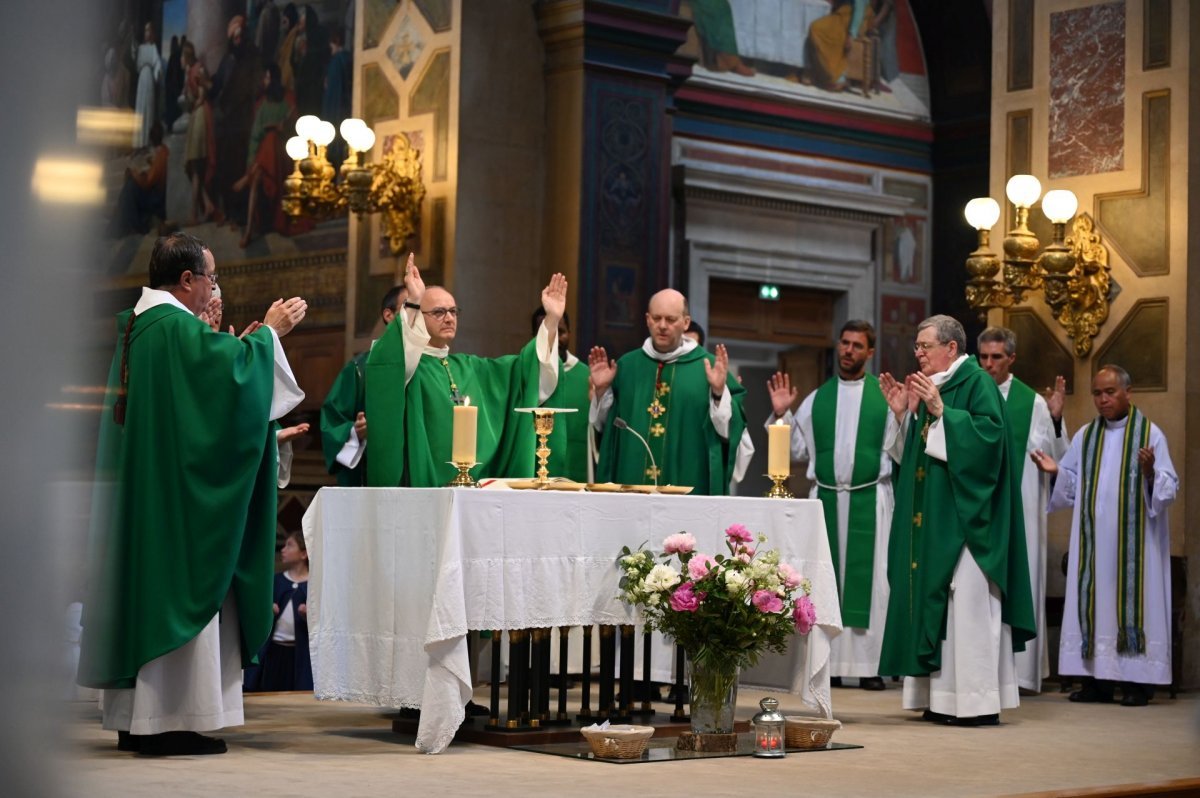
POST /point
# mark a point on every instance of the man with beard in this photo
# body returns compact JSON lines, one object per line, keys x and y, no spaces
{"x":839,"y":428}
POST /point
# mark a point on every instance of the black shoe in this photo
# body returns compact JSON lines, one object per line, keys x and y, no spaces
{"x":936,"y":717}
{"x":1136,"y":695}
{"x":872,"y":683}
{"x":1091,"y":693}
{"x":129,"y":742}
{"x":180,"y":743}
{"x":977,"y":720}
{"x":475,"y":711}
{"x":835,"y":681}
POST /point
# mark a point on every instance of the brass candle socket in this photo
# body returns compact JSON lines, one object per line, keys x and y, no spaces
{"x":778,"y":490}
{"x":463,"y":479}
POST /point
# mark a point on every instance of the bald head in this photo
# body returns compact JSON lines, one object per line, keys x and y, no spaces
{"x":667,"y":319}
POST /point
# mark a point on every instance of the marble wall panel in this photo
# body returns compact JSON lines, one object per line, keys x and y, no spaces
{"x":1040,"y":356}
{"x":1139,"y":345}
{"x":1087,"y":91}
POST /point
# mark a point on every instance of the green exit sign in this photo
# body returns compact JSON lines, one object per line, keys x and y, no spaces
{"x":768,"y":291}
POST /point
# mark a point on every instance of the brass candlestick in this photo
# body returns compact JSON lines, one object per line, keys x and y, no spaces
{"x":778,"y":490}
{"x":463,"y":479}
{"x":543,"y":425}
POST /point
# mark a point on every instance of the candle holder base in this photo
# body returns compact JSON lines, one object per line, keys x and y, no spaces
{"x":463,"y":479}
{"x":778,"y":490}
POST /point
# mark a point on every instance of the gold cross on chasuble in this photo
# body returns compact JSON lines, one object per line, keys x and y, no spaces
{"x":925,"y":432}
{"x":662,"y":389}
{"x":658,"y":430}
{"x":917,"y":520}
{"x":920,"y":474}
{"x":656,"y":409}
{"x":652,"y":472}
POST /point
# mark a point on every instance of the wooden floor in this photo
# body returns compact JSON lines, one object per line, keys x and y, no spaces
{"x":295,"y":745}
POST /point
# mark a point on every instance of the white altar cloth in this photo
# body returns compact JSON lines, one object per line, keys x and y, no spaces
{"x":398,"y":576}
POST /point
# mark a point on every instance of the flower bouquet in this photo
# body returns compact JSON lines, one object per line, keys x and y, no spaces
{"x":725,"y":610}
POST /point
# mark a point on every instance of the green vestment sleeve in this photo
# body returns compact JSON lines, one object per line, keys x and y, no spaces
{"x":971,"y":500}
{"x":569,"y":441}
{"x":346,"y":399}
{"x":411,"y":427}
{"x":670,"y":409}
{"x":186,"y":496}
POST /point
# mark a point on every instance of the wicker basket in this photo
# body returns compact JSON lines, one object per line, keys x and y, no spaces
{"x":800,"y":731}
{"x":618,"y":742}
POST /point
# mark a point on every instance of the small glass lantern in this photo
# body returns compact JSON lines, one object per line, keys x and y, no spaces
{"x":768,"y":729}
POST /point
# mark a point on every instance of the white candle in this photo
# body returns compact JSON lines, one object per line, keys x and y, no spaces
{"x":779,"y":455}
{"x":466,"y":421}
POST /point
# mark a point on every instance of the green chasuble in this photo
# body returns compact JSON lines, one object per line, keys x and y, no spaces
{"x":346,"y":399}
{"x":971,"y":500}
{"x":569,"y":441}
{"x":668,"y":405}
{"x":860,"y":524}
{"x":412,"y":427}
{"x":185,"y":502}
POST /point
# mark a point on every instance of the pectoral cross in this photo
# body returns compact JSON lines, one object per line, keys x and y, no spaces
{"x":658,"y":430}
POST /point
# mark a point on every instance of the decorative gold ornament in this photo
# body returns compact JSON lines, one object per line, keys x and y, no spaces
{"x":1072,"y":273}
{"x":656,"y":409}
{"x":392,"y":188}
{"x":658,"y":430}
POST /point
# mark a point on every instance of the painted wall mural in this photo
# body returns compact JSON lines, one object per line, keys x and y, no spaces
{"x":217,"y":95}
{"x":860,"y":53}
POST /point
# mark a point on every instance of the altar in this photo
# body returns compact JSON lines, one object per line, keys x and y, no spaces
{"x":399,"y":575}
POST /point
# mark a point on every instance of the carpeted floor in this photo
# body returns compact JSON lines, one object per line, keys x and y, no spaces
{"x":294,"y":745}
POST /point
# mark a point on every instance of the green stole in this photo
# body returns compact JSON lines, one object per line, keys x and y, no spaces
{"x":346,"y":398}
{"x":668,"y":405}
{"x":411,"y":426}
{"x":1020,"y":418}
{"x":184,"y":507}
{"x":860,"y":533}
{"x":1131,"y":535}
{"x":569,"y":441}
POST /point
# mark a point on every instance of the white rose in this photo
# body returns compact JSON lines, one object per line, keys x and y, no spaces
{"x":661,"y":577}
{"x":735,"y":581}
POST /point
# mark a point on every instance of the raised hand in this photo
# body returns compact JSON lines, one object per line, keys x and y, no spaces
{"x":927,"y":392}
{"x":1044,"y":462}
{"x":283,"y":315}
{"x":896,"y":394}
{"x":288,"y":433}
{"x":779,"y":386}
{"x":360,"y":426}
{"x":211,"y":315}
{"x":1057,"y":398}
{"x":251,"y":327}
{"x":554,"y":301}
{"x":413,"y":281}
{"x":717,"y":372}
{"x":603,"y":370}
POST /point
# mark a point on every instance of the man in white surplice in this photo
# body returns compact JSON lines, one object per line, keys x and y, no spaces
{"x":1117,"y":613}
{"x":1039,"y":422}
{"x":839,"y":429}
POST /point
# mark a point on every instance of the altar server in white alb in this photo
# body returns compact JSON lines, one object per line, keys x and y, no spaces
{"x":839,"y":429}
{"x":1118,"y":479}
{"x":1035,"y":424}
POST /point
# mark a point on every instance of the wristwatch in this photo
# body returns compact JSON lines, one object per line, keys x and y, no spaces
{"x":412,"y":305}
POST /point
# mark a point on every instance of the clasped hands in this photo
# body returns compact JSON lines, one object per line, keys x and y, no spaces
{"x":906,"y":396}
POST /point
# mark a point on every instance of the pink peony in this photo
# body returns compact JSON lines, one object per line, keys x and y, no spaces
{"x":699,"y":566}
{"x":679,"y":543}
{"x":745,"y":556}
{"x":805,"y":615}
{"x":767,"y":601}
{"x":737,"y":532}
{"x":686,"y":599}
{"x":789,"y":576}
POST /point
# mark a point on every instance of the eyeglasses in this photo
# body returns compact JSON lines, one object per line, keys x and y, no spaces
{"x":441,"y":313}
{"x":921,"y":346}
{"x":212,"y":278}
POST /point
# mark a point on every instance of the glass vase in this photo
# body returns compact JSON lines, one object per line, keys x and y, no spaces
{"x":713,"y":696}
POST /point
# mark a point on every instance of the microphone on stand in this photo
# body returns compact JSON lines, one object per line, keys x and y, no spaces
{"x":619,"y":423}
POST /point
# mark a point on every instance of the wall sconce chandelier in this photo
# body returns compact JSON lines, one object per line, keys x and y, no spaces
{"x":392,"y":188}
{"x":1072,"y":272}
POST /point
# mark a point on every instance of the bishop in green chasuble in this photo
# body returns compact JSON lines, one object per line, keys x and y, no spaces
{"x":414,"y":383}
{"x":956,"y":490}
{"x":667,"y":392}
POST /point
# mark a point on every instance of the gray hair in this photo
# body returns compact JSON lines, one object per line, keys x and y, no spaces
{"x":999,"y":335}
{"x":948,"y":329}
{"x":1121,"y":374}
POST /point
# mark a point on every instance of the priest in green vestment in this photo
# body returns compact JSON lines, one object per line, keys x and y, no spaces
{"x":344,"y":411}
{"x":183,"y":543}
{"x":960,"y":599}
{"x":679,"y":398}
{"x":571,"y":442}
{"x":414,"y":383}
